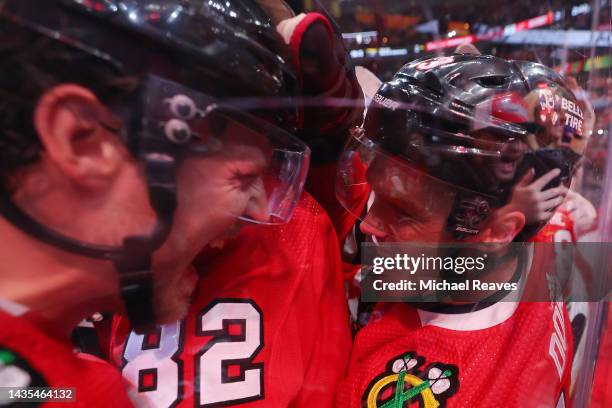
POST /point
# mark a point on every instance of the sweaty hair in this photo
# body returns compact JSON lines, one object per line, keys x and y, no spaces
{"x":30,"y":64}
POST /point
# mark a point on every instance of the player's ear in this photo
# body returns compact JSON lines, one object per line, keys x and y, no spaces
{"x":70,"y":122}
{"x":503,"y":227}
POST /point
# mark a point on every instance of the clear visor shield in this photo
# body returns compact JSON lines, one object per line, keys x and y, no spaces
{"x":403,"y":200}
{"x":398,"y":202}
{"x":229,"y":161}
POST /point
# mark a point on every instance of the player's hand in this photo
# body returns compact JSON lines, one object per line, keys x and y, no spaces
{"x":584,"y":214}
{"x":325,"y":72}
{"x":535,"y":204}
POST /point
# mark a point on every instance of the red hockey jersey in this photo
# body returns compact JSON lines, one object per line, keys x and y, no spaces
{"x":31,"y":358}
{"x":268,"y":325}
{"x":509,"y":354}
{"x":560,"y":228}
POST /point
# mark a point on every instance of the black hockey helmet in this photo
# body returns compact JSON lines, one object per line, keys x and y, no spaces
{"x":477,"y":123}
{"x":176,"y":72}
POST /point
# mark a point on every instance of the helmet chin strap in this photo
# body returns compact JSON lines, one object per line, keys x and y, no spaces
{"x":133,"y":260}
{"x":134,"y":265}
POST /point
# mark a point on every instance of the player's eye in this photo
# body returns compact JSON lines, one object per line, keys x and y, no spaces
{"x":249,"y":175}
{"x":250,"y":181}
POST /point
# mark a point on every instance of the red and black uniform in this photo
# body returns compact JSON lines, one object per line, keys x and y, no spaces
{"x":268,"y":325}
{"x":508,"y":354}
{"x":29,"y":357}
{"x":412,"y":358}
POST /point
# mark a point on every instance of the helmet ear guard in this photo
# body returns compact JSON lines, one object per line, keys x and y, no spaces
{"x":468,"y":215}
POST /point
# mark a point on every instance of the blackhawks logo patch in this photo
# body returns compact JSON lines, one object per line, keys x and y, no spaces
{"x":15,"y":372}
{"x":405,"y":383}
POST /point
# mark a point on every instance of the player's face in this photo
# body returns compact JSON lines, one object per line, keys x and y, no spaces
{"x":213,"y":192}
{"x":407,"y":205}
{"x":90,"y":188}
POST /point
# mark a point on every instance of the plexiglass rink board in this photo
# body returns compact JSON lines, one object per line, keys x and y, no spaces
{"x":574,"y":38}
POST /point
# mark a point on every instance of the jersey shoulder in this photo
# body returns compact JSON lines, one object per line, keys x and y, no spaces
{"x":306,"y":243}
{"x":400,"y":347}
{"x":309,"y":220}
{"x":31,"y":358}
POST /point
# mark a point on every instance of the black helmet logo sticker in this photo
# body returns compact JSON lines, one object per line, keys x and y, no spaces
{"x":183,"y":108}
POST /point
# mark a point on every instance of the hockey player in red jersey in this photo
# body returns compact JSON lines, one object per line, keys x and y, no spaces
{"x":268,"y":325}
{"x":120,"y":162}
{"x":443,"y":146}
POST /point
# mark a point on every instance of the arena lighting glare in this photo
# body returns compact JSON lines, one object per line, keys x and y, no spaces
{"x":452,"y":40}
{"x":583,"y":8}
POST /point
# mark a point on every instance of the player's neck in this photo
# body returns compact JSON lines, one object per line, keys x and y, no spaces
{"x":58,"y":289}
{"x":508,"y":270}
